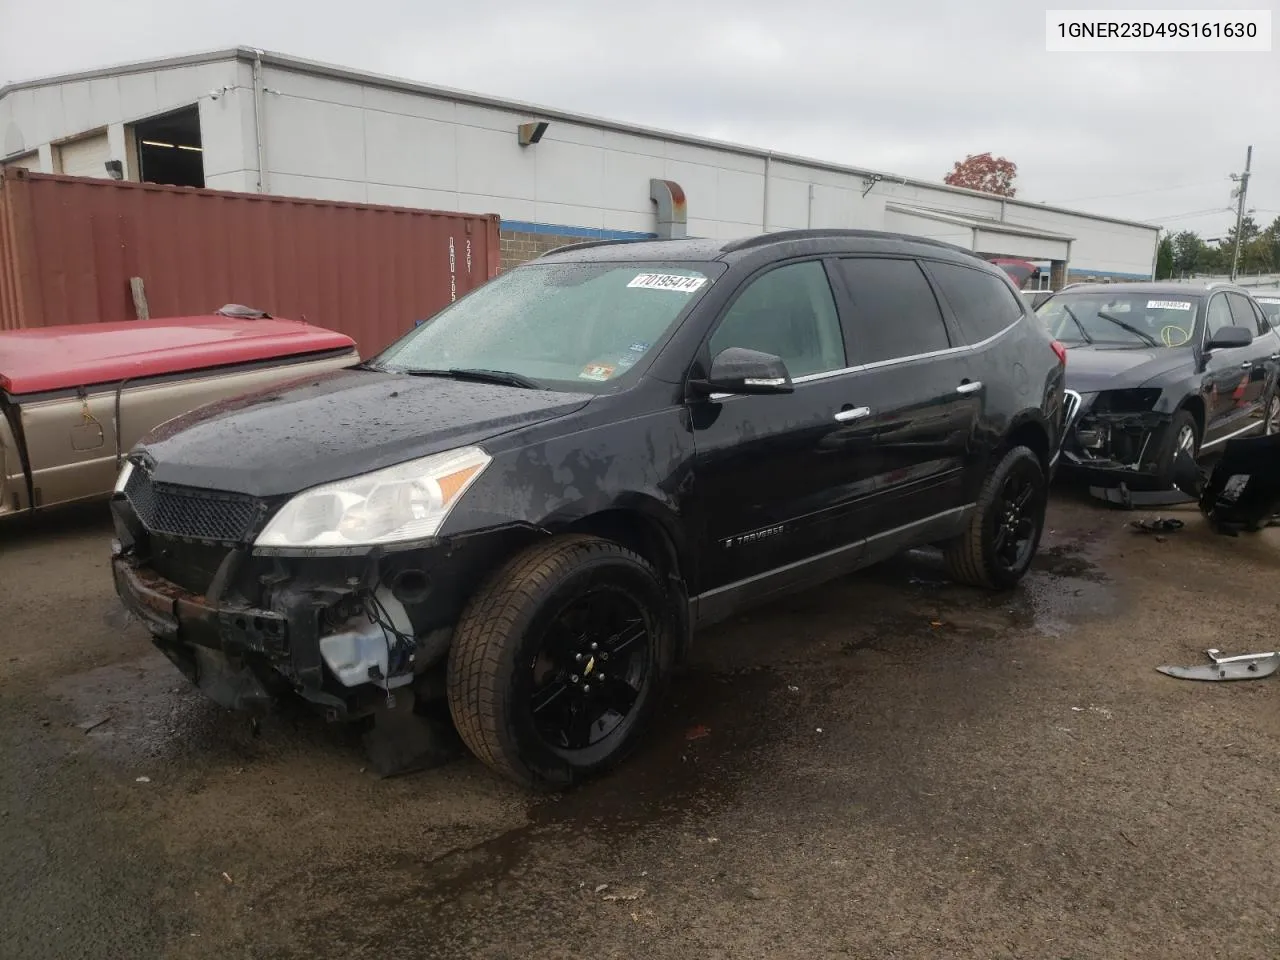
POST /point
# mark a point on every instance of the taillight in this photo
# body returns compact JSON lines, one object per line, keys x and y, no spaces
{"x":1061,"y":351}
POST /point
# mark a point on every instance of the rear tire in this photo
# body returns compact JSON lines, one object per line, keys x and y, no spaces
{"x":558,"y":662}
{"x":1004,"y":532}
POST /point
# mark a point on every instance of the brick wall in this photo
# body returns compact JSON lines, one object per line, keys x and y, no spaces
{"x":518,"y":247}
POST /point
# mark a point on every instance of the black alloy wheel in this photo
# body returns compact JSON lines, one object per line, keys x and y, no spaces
{"x":592,"y":666}
{"x":1018,"y":517}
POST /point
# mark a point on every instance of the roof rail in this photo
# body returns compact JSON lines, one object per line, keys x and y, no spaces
{"x":781,"y":236}
{"x":584,"y":244}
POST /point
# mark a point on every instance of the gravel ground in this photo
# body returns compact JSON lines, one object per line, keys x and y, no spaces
{"x":891,"y":766}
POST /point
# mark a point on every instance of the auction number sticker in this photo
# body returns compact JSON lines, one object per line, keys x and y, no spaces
{"x":596,"y":371}
{"x":1168,"y":305}
{"x":667,"y":281}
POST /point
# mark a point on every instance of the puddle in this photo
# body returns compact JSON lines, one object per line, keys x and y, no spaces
{"x":145,"y":712}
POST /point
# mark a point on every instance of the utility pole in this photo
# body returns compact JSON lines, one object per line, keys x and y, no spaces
{"x":1242,"y":191}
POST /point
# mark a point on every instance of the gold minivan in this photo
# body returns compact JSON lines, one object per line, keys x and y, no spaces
{"x":75,"y":398}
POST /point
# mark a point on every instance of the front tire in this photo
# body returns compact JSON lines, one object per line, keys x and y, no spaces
{"x":558,"y":662}
{"x":1004,"y":532}
{"x":1181,"y":436}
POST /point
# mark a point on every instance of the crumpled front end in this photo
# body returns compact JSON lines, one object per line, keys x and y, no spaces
{"x":1117,"y":435}
{"x":347,"y":633}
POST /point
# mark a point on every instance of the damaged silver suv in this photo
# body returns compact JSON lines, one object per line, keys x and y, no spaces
{"x":514,"y":516}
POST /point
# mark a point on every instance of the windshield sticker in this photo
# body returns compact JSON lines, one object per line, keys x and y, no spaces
{"x":1260,"y":300}
{"x":640,"y":347}
{"x":597,"y":371}
{"x":1168,"y":305}
{"x":627,"y":361}
{"x":667,"y":281}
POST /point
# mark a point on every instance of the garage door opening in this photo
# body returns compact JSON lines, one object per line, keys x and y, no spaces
{"x":169,"y":149}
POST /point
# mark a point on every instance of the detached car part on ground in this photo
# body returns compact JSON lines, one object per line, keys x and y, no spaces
{"x":1160,"y":368}
{"x":75,"y":398}
{"x":526,"y":505}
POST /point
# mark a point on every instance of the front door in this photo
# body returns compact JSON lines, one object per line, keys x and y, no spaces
{"x":778,"y":477}
{"x":1244,"y":315}
{"x":1226,"y":384}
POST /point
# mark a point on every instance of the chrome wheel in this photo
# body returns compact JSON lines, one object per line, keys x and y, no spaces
{"x":1187,"y":440}
{"x":1272,"y":424}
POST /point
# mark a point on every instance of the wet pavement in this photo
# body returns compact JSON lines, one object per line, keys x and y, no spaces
{"x":891,"y":766}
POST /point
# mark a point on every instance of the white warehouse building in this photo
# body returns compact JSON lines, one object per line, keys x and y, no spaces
{"x":248,"y":120}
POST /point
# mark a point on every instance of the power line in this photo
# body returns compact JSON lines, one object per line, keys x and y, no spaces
{"x":1188,"y":216}
{"x":1140,"y":193}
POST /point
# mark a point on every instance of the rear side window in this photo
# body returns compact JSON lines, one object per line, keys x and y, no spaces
{"x":984,"y":305}
{"x":896,"y":314}
{"x":1264,"y":325}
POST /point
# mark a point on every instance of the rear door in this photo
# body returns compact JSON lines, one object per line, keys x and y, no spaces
{"x":923,"y":397}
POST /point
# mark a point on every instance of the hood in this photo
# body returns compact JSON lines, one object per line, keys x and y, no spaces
{"x":319,"y":429}
{"x":1094,"y":368}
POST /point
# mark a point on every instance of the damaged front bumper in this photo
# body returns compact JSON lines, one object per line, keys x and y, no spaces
{"x":1113,"y":448}
{"x":342,"y":632}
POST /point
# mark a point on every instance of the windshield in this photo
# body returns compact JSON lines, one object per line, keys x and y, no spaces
{"x":1126,"y":319}
{"x":1270,"y":304}
{"x":576,"y":326}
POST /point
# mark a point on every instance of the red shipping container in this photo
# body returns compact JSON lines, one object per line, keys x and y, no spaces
{"x":70,"y":245}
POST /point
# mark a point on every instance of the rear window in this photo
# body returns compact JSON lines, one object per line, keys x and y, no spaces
{"x":984,"y":305}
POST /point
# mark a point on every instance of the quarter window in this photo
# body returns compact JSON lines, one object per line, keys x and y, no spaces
{"x":788,"y":312}
{"x":896,"y":314}
{"x":983,"y":304}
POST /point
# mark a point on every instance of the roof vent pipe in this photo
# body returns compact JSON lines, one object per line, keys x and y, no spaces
{"x":673,"y":219}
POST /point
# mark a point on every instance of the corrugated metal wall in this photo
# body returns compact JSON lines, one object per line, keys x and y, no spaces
{"x":69,"y":246}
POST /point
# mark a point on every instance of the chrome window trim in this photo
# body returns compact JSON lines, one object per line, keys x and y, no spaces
{"x":881,"y":364}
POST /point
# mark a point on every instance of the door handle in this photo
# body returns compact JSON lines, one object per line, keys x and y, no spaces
{"x":1247,"y":365}
{"x":972,"y":387}
{"x":855,"y":413}
{"x":1274,"y":356}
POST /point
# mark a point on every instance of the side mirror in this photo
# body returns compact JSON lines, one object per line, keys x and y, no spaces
{"x":1230,"y":338}
{"x":738,"y":371}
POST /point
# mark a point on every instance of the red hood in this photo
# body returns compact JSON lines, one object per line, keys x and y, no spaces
{"x":1019,"y":271}
{"x":81,"y":354}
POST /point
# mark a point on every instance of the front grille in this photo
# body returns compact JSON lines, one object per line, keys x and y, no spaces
{"x":189,"y":512}
{"x":1071,"y":407}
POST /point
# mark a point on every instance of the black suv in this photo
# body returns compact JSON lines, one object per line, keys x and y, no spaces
{"x":524,"y":506}
{"x":1161,"y":368}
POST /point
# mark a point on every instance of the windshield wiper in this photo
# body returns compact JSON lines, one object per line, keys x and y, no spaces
{"x":1079,"y":326}
{"x":504,"y":377}
{"x":1146,"y":337}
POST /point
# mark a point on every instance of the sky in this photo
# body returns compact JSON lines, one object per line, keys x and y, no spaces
{"x":906,"y":87}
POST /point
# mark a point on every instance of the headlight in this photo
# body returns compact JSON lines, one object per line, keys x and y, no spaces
{"x":123,"y":479}
{"x":405,"y":502}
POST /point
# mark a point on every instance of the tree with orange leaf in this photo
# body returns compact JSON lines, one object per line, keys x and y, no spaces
{"x":984,"y":172}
